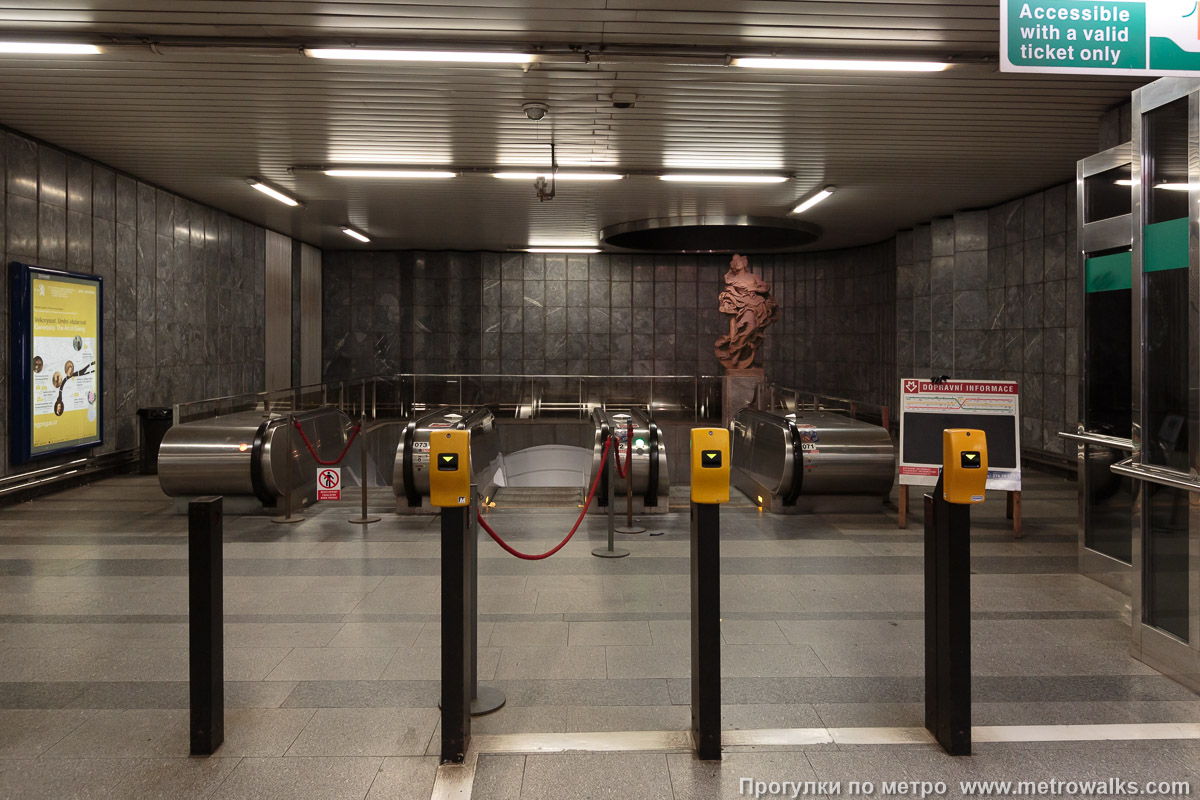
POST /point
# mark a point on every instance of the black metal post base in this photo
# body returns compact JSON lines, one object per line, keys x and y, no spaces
{"x":706,"y":630}
{"x":457,"y":669}
{"x":948,"y":623}
{"x":206,"y":637}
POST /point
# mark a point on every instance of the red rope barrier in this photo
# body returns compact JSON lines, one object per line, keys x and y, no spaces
{"x":338,"y":460}
{"x":526,"y":556}
{"x":624,"y":471}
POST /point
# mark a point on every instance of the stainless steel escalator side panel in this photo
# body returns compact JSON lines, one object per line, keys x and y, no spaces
{"x":648,"y":464}
{"x":845,"y":456}
{"x":778,"y":458}
{"x":211,"y":456}
{"x":244,"y":455}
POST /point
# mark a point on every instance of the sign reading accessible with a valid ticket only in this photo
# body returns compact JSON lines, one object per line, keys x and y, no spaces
{"x":1085,"y":37}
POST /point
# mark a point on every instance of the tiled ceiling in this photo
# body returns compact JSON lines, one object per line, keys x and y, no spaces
{"x":199,"y":94}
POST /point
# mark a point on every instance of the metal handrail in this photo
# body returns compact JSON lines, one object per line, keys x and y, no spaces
{"x":824,"y":402}
{"x":1115,"y":442}
{"x":524,"y":395}
{"x":1163,"y":477}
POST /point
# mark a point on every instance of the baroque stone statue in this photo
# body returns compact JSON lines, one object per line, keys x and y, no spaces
{"x":751,"y":307}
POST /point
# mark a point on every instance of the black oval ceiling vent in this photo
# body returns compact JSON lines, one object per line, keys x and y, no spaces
{"x":711,"y":235}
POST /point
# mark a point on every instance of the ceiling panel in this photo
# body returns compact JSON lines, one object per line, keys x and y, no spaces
{"x":901,"y":149}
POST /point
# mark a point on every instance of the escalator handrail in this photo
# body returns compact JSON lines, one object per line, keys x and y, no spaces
{"x":410,"y":485}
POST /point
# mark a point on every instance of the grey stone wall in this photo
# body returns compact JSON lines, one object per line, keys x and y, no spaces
{"x":991,"y":295}
{"x":513,"y":313}
{"x":1116,"y":126}
{"x":183,"y":283}
{"x":837,"y":329}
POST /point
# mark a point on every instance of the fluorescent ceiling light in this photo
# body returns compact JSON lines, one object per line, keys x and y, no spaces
{"x":270,"y":191}
{"x":454,"y":56}
{"x":699,"y":178}
{"x":49,"y":49}
{"x":561,"y":176}
{"x":353,"y":234}
{"x":812,"y":201}
{"x":1173,"y":187}
{"x":575,"y":250}
{"x":389,"y":173}
{"x":840,"y":64}
{"x":1124,"y":182}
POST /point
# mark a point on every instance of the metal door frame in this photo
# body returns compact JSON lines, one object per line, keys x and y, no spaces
{"x":1162,"y":651}
{"x":1104,"y":234}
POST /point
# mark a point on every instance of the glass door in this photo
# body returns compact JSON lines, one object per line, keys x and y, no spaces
{"x":1166,"y":355}
{"x":1103,"y":434}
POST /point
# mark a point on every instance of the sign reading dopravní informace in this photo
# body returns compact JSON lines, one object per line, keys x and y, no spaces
{"x":927,"y":409}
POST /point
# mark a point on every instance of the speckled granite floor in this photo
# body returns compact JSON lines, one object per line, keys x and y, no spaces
{"x":332,"y":652}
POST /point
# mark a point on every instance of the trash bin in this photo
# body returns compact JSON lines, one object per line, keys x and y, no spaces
{"x":154,"y":425}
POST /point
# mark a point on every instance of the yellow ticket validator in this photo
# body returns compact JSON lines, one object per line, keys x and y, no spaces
{"x":710,"y":465}
{"x":964,"y":465}
{"x":449,"y":468}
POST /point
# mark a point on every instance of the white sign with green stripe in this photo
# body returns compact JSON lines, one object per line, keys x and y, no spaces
{"x":1085,"y":37}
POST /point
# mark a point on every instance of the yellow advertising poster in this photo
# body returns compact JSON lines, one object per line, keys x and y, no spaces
{"x":64,"y":313}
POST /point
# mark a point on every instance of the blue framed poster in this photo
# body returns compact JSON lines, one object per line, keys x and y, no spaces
{"x":56,"y":399}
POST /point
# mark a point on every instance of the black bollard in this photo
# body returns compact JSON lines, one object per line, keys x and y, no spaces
{"x":206,"y":638}
{"x":710,"y":488}
{"x":706,"y":630}
{"x":948,"y":588}
{"x":450,"y":490}
{"x":457,"y":672}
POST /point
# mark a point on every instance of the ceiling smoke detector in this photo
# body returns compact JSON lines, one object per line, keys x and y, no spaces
{"x":535,"y":111}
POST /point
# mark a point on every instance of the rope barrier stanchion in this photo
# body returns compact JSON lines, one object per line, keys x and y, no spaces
{"x":287,"y":518}
{"x":582,"y":514}
{"x":628,"y":528}
{"x":612,"y":467}
{"x":363,"y":518}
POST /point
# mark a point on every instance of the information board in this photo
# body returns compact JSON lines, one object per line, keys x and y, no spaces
{"x":56,"y":345}
{"x":928,"y":408}
{"x":1085,"y":37}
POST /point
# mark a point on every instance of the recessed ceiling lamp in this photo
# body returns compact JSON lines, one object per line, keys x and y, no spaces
{"x":840,"y":64}
{"x":812,"y":201}
{"x":272,"y":192}
{"x":561,"y":176}
{"x":48,"y":49}
{"x":414,"y":174}
{"x":572,"y":248}
{"x":684,"y":177}
{"x":353,"y":234}
{"x":452,"y":56}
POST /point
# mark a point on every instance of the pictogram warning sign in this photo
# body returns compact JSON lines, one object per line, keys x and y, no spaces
{"x":329,"y":483}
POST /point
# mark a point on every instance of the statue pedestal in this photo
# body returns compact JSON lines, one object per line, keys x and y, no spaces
{"x":737,"y":390}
